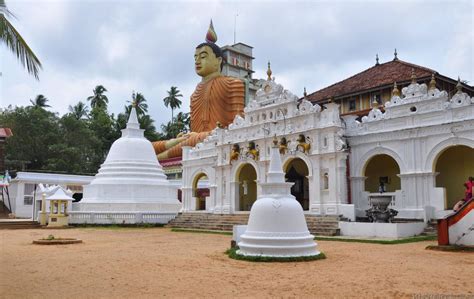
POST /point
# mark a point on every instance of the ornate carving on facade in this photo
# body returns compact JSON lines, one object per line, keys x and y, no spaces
{"x":303,"y":146}
{"x":235,"y":153}
{"x":283,"y":145}
{"x":252,"y":151}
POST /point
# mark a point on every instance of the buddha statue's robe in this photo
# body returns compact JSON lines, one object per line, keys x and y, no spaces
{"x":219,"y":99}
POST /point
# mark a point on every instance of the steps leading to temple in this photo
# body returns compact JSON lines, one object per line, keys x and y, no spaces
{"x":18,"y":224}
{"x":431,"y":229}
{"x":317,"y":225}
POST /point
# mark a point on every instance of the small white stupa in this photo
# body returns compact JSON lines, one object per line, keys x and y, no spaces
{"x":277,"y":226}
{"x":130,"y":180}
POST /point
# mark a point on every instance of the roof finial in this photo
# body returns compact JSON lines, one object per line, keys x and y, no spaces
{"x":395,"y":91}
{"x":413,"y":76}
{"x":395,"y":54}
{"x":269,"y":72}
{"x":304,"y":93}
{"x":377,"y":59}
{"x":211,"y":36}
{"x":459,"y":85}
{"x":375,"y":103}
{"x":432,"y":82}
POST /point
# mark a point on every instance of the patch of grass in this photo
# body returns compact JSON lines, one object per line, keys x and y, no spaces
{"x":201,"y":231}
{"x":119,"y":226}
{"x":451,"y":248}
{"x":384,"y":242}
{"x":232,"y":253}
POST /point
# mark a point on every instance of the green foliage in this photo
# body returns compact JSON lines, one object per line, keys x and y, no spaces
{"x":180,"y":124}
{"x":15,"y":42}
{"x":78,"y":142}
{"x":40,"y":101}
{"x":200,"y":231}
{"x":34,"y":132}
{"x":232,"y":253}
{"x":76,"y":151}
{"x":99,"y":100}
{"x":103,"y":127}
{"x":384,"y":242}
{"x":172,"y":99}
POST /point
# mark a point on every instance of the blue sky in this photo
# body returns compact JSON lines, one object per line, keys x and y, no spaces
{"x":148,"y":46}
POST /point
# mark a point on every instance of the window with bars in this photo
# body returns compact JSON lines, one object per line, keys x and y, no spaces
{"x":28,"y":194}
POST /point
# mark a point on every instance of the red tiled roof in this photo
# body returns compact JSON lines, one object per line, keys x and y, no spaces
{"x":171,"y":162}
{"x":378,"y":75}
{"x":5,"y":132}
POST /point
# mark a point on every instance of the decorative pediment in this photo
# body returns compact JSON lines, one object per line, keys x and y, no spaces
{"x":374,"y":114}
{"x":306,"y":107}
{"x":239,"y":121}
{"x":414,"y":90}
{"x":460,"y":99}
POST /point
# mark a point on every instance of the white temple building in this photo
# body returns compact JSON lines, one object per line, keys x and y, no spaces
{"x":420,"y":146}
{"x":130,"y":186}
{"x":235,"y":160}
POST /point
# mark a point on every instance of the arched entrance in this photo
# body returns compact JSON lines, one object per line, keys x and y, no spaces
{"x":382,"y":170}
{"x":247,"y":194}
{"x":200,"y":191}
{"x":454,"y":165}
{"x":296,"y":171}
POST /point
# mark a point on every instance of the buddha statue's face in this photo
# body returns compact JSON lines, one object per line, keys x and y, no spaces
{"x":206,"y":63}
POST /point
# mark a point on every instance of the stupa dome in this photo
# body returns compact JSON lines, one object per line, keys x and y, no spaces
{"x":131,"y":159}
{"x":277,"y":226}
{"x":131,"y":179}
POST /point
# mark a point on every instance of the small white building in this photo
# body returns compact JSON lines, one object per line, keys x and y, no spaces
{"x":421,"y":148}
{"x":25,"y":203}
{"x":235,"y":160}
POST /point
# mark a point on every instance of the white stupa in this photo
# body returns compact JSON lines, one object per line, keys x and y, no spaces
{"x":277,"y":226}
{"x":130,"y":180}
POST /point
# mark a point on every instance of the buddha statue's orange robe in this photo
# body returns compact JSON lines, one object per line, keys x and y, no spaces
{"x":219,"y":99}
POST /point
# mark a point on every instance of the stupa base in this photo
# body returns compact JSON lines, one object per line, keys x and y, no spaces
{"x":283,"y":247}
{"x":120,"y":217}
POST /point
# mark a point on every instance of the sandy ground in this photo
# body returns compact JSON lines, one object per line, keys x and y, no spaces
{"x":155,"y":262}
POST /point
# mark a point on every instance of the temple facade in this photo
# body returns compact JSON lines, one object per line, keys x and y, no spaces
{"x":416,"y":148}
{"x":421,"y":150}
{"x":234,"y":160}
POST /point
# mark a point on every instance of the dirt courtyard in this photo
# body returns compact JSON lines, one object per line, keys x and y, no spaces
{"x":155,"y":262}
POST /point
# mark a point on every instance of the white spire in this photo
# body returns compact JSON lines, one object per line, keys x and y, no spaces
{"x":133,"y":119}
{"x":133,"y":126}
{"x":275,"y":171}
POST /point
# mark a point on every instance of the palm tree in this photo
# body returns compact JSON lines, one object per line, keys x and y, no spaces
{"x":40,"y":102}
{"x":79,"y":111}
{"x":16,"y":43}
{"x":140,"y":104}
{"x":99,"y":100}
{"x":172,"y":99}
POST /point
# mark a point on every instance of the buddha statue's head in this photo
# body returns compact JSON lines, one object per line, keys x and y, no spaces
{"x":208,"y":60}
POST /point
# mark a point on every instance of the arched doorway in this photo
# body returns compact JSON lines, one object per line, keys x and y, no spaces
{"x":296,"y":171}
{"x":200,"y":191}
{"x":247,"y":194}
{"x":382,"y":170}
{"x":454,"y":165}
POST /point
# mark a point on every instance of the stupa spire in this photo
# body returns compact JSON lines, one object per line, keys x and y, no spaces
{"x":275,"y":170}
{"x":269,"y":72}
{"x":211,"y":35}
{"x":133,"y":119}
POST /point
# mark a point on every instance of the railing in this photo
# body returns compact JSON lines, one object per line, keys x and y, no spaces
{"x":446,"y":222}
{"x":79,"y":217}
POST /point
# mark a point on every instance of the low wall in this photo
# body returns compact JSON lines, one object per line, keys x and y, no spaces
{"x":381,"y":230}
{"x":120,"y":217}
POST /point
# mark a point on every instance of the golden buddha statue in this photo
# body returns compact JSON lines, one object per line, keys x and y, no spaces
{"x":215,"y":101}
